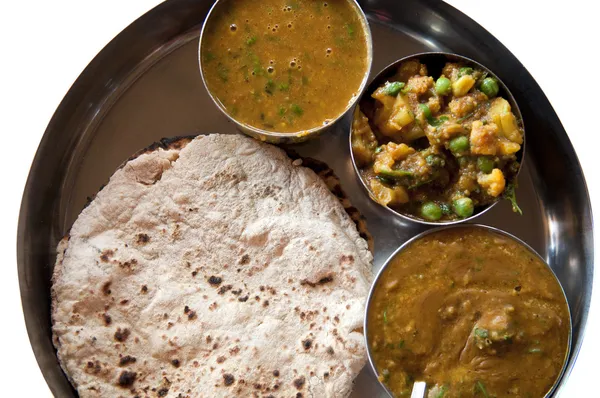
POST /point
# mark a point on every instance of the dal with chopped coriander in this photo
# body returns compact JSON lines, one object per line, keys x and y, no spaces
{"x":285,"y":65}
{"x":437,"y":150}
{"x":471,"y":312}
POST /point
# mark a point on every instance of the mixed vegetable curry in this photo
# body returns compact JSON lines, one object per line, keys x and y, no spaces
{"x":285,"y":65}
{"x":471,"y":312}
{"x":437,"y":149}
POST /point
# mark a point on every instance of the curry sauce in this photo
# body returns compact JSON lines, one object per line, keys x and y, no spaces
{"x":285,"y":65}
{"x":471,"y":312}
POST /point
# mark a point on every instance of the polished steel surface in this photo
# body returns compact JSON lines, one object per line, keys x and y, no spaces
{"x":402,"y":247}
{"x":435,"y":61}
{"x":289,"y":138}
{"x":145,"y":85}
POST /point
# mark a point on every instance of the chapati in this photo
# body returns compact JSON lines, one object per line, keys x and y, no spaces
{"x":214,"y":267}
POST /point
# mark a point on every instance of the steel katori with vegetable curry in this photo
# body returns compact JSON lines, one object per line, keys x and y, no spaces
{"x":440,"y":149}
{"x":471,"y":312}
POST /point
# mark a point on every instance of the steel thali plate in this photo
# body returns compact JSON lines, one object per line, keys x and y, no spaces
{"x":145,"y":85}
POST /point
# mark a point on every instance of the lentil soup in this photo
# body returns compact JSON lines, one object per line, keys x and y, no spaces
{"x":285,"y":65}
{"x":471,"y":312}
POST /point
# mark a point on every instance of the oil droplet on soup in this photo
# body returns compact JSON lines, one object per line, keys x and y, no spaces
{"x":285,"y":65}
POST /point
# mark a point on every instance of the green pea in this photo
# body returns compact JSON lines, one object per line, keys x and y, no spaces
{"x":431,"y":211}
{"x":443,"y":86}
{"x":463,"y":207}
{"x":485,"y":164}
{"x":392,"y":89}
{"x":459,"y":144}
{"x":489,"y":86}
{"x":426,"y":111}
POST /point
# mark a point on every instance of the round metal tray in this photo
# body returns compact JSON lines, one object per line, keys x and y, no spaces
{"x":145,"y":85}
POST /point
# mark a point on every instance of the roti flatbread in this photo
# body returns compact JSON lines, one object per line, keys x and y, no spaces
{"x":214,"y":267}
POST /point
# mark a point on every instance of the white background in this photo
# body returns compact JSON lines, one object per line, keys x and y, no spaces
{"x":46,"y":44}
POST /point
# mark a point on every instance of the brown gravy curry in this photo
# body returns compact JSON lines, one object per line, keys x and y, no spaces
{"x":285,"y":65}
{"x":471,"y":312}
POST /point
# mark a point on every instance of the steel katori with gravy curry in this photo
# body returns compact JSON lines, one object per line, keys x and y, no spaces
{"x":285,"y":65}
{"x":471,"y":312}
{"x":437,"y":150}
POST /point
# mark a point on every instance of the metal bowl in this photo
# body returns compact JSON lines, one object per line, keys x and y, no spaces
{"x":439,"y":229}
{"x":299,"y":136}
{"x":435,"y":61}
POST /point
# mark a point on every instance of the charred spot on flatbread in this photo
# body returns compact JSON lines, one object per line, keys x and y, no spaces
{"x":228,"y":379}
{"x":126,"y":360}
{"x":126,"y":378}
{"x":122,"y":334}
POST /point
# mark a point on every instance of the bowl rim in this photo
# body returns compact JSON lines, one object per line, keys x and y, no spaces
{"x":302,"y":134}
{"x":449,"y":57}
{"x":431,"y":231}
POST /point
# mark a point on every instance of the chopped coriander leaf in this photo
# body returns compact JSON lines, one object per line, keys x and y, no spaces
{"x":223,"y":72}
{"x":462,"y":119}
{"x":465,"y":70}
{"x":385,"y":180}
{"x":437,"y":122}
{"x":509,"y":194}
{"x":480,"y":387}
{"x":208,"y":56}
{"x":482,"y":333}
{"x":251,"y":41}
{"x":293,"y":4}
{"x":297,"y":109}
{"x":350,"y":29}
{"x":441,"y":392}
{"x":258,"y":70}
{"x":446,"y":209}
{"x":435,"y":161}
{"x":270,"y":87}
